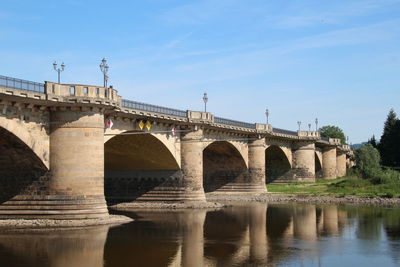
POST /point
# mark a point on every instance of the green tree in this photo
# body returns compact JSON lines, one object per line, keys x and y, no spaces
{"x":333,"y":132}
{"x":368,"y":161}
{"x":389,"y":143}
{"x":372,"y":142}
{"x":396,"y":145}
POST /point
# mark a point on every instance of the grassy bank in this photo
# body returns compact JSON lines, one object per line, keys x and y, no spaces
{"x":339,"y":187}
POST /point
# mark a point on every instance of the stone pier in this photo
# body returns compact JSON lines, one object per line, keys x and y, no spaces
{"x":192,"y":166}
{"x":77,"y":163}
{"x":257,"y":165}
{"x":341,"y":164}
{"x":329,"y":162}
{"x":304,"y":162}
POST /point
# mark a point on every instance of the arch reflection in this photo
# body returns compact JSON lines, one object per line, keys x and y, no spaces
{"x":55,"y":248}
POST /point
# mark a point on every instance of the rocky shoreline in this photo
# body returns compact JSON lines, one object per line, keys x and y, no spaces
{"x":271,"y":197}
{"x":49,"y":223}
{"x":167,"y":205}
{"x":214,"y":201}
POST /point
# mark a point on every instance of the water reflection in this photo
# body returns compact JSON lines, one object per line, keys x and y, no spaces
{"x":58,"y":248}
{"x":251,"y":234}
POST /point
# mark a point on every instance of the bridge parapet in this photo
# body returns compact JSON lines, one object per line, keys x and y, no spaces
{"x":309,"y":134}
{"x":200,"y":117}
{"x":334,"y":141}
{"x":78,"y":93}
{"x":346,"y":147}
{"x":264,"y":127}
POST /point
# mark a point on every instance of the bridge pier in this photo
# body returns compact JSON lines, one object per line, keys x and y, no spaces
{"x":77,"y":162}
{"x":192,"y":166}
{"x":257,"y":166}
{"x":341,"y":163}
{"x":304,"y":162}
{"x":329,"y":162}
{"x":74,"y":187}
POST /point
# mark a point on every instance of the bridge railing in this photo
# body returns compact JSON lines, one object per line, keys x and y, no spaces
{"x":153,"y":108}
{"x":283,"y":131}
{"x":21,"y":84}
{"x":234,"y":123}
{"x":323,"y":138}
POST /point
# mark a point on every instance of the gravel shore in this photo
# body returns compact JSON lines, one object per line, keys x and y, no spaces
{"x":167,"y":205}
{"x":213,"y":202}
{"x":269,"y":197}
{"x":48,"y":223}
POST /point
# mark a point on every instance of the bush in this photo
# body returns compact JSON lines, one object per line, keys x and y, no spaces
{"x":367,"y":157}
{"x":367,"y":160}
{"x":368,"y":167}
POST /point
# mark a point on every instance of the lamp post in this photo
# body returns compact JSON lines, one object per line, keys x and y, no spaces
{"x":58,"y":70}
{"x":316,"y":124}
{"x":347,"y":138}
{"x":309,"y":127}
{"x":299,"y":123}
{"x":267,"y":114}
{"x":205,"y":99}
{"x":104,"y":70}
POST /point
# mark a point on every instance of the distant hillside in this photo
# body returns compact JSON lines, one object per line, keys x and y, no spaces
{"x":357,"y":146}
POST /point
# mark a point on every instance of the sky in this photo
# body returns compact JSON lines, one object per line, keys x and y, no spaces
{"x":338,"y":61}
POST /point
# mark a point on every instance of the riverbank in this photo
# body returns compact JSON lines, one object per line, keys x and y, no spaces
{"x":301,"y":198}
{"x":341,"y":187}
{"x":166,"y":205}
{"x":49,"y":223}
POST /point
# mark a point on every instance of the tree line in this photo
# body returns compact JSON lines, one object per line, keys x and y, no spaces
{"x":389,"y":144}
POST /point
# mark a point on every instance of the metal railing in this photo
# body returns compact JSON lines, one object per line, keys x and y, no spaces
{"x":234,"y":123}
{"x":21,"y":84}
{"x":153,"y":108}
{"x":323,"y":138}
{"x":283,"y":131}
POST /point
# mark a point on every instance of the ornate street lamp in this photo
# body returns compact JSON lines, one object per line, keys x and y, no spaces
{"x":267,"y":114}
{"x":316,"y":124}
{"x":205,"y":99}
{"x":104,"y":70}
{"x":309,"y":127}
{"x":58,"y":70}
{"x":299,"y":123}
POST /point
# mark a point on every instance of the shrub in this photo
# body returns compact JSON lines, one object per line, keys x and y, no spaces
{"x":367,"y":159}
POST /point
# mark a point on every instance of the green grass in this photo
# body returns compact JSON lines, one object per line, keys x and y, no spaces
{"x":339,"y":187}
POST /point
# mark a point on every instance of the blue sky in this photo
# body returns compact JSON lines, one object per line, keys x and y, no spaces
{"x":335,"y":60}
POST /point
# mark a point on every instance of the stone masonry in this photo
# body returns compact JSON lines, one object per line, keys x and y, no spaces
{"x":60,"y":160}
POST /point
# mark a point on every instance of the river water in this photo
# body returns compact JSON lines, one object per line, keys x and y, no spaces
{"x":246,"y":234}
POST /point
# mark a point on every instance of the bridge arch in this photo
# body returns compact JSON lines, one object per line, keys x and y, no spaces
{"x":20,"y":131}
{"x":224,"y":168}
{"x":318,"y":166}
{"x":277,"y":164}
{"x":135,"y":165}
{"x":20,"y":166}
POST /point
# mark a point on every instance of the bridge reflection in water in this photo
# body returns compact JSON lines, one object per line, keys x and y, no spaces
{"x":252,"y":234}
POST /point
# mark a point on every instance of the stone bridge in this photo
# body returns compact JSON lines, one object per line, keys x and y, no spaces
{"x":59,"y":160}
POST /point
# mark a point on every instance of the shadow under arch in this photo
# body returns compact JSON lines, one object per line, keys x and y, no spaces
{"x":224,"y":168}
{"x":277,"y":165}
{"x":318,"y":167}
{"x":136,"y":165}
{"x":22,"y":172}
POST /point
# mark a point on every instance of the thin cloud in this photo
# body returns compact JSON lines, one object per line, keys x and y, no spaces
{"x":331,"y":14}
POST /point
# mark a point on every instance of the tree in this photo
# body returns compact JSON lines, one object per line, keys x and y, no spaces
{"x":333,"y":132}
{"x":368,"y":160}
{"x":396,"y":145}
{"x":389,"y":143}
{"x":372,"y":142}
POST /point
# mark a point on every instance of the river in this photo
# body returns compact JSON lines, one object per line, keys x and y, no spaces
{"x":245,"y":234}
